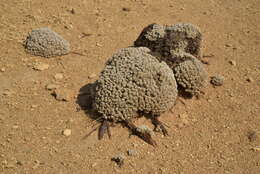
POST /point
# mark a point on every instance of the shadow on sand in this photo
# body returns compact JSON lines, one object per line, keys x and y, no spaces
{"x":85,"y":100}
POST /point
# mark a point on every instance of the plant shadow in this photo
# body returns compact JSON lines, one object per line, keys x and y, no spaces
{"x":85,"y":100}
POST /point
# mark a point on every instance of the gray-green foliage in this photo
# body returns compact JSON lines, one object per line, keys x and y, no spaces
{"x":134,"y":81}
{"x":167,"y":38}
{"x":189,"y":73}
{"x":179,"y":46}
{"x":46,"y":43}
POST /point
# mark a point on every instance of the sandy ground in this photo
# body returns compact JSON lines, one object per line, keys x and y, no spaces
{"x":217,"y":133}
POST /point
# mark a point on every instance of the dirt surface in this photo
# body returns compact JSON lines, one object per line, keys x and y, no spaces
{"x":217,"y":133}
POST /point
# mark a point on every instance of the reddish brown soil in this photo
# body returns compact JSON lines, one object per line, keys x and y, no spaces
{"x":208,"y":135}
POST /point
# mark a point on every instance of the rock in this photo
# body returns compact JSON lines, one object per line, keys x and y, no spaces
{"x":8,"y":93}
{"x":34,"y":106}
{"x":52,"y":86}
{"x":217,"y":80}
{"x":58,"y":76}
{"x":98,"y":44}
{"x":69,"y":26}
{"x":126,"y":9}
{"x":252,"y":136}
{"x":158,"y":129}
{"x":184,"y":118}
{"x":94,"y":165}
{"x":91,"y":76}
{"x":37,"y":164}
{"x":20,"y":163}
{"x":131,"y":152}
{"x":119,"y":159}
{"x":62,"y":94}
{"x":250,"y":79}
{"x":256,"y":149}
{"x":15,"y":127}
{"x":9,"y":166}
{"x":66,"y":132}
{"x":232,"y":62}
{"x":40,"y":66}
{"x":2,"y":69}
{"x":145,"y":129}
{"x":72,"y":11}
{"x":228,"y":45}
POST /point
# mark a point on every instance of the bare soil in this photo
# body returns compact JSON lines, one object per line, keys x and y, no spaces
{"x":217,"y":133}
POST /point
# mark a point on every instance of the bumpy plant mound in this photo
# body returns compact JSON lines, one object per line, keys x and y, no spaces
{"x":134,"y":81}
{"x":189,"y":72}
{"x":46,"y":43}
{"x":164,"y":39}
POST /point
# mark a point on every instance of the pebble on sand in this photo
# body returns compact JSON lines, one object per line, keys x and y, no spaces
{"x":62,"y":94}
{"x":217,"y":80}
{"x":2,"y":69}
{"x":232,"y":62}
{"x":131,"y":152}
{"x":52,"y":86}
{"x":119,"y":159}
{"x":91,"y":76}
{"x":40,"y":66}
{"x":250,"y":79}
{"x":66,"y":132}
{"x":58,"y":76}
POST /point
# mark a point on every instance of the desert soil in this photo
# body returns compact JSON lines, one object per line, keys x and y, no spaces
{"x":217,"y":133}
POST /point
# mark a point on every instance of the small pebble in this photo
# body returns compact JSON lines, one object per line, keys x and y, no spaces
{"x":94,"y":165}
{"x":9,"y":166}
{"x":69,"y":26}
{"x":228,"y":45}
{"x":34,"y":106}
{"x":2,"y":69}
{"x":158,"y":129}
{"x":8,"y":93}
{"x":98,"y":44}
{"x":37,"y":164}
{"x":52,"y":86}
{"x":58,"y":76}
{"x":217,"y":80}
{"x":40,"y":66}
{"x":145,"y":129}
{"x":66,"y":132}
{"x":131,"y":152}
{"x":256,"y":149}
{"x":72,"y":11}
{"x":232,"y":62}
{"x":91,"y":76}
{"x":250,"y":79}
{"x":184,"y":118}
{"x":252,"y":136}
{"x":20,"y":163}
{"x":126,"y":9}
{"x":119,"y":159}
{"x":62,"y":95}
{"x":15,"y":127}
